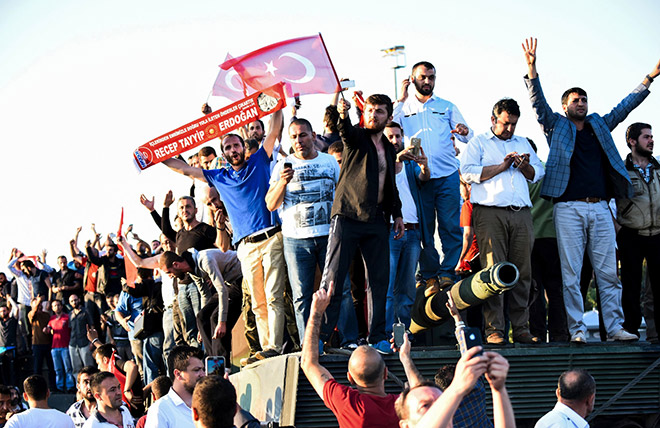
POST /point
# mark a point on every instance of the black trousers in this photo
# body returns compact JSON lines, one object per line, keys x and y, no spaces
{"x":207,"y":321}
{"x":633,"y":249}
{"x":346,"y":235}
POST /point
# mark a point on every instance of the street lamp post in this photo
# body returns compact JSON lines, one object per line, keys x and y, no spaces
{"x":399,"y":55}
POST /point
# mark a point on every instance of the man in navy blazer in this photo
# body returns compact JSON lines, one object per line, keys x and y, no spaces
{"x":584,"y":170}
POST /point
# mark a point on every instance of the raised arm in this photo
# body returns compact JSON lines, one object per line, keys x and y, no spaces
{"x":544,"y":114}
{"x":130,"y":254}
{"x":412,"y":374}
{"x":652,"y":75}
{"x":529,"y":46}
{"x":309,"y":362}
{"x":273,"y":132}
{"x":183,"y":168}
{"x":498,"y":368}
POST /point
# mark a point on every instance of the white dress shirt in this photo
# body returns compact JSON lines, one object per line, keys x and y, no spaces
{"x":508,"y":188}
{"x":561,"y":416}
{"x":169,"y":412}
{"x":432,"y":122}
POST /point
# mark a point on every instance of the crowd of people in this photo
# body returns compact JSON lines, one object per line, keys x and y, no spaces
{"x":328,"y":244}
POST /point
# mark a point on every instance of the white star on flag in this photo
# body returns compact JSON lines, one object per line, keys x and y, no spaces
{"x":270,"y":68}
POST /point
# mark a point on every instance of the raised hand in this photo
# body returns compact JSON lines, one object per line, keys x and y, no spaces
{"x":404,"y":89}
{"x":169,"y":199}
{"x":148,"y":204}
{"x":530,"y":56}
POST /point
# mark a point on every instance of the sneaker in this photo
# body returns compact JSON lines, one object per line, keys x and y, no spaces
{"x":432,"y":287}
{"x":269,"y":353}
{"x":420,"y":283}
{"x":351,"y":346}
{"x":384,"y":347}
{"x":527,"y":338}
{"x":496,"y":339}
{"x":578,"y":337}
{"x":623,"y":336}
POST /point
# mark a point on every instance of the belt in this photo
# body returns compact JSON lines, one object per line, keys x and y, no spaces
{"x":262,"y":236}
{"x":411,"y":226}
{"x":589,"y":200}
{"x":506,"y":207}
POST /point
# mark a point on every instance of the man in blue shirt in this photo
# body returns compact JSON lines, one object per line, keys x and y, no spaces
{"x":257,"y":231}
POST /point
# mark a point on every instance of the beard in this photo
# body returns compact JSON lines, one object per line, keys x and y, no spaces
{"x":575,"y":115}
{"x":645,"y":153}
{"x":423,"y":88}
{"x":237,"y":161}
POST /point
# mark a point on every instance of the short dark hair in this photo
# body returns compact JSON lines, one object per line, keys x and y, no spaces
{"x":251,"y":143}
{"x":179,"y":358}
{"x":104,"y":350}
{"x":168,"y":258}
{"x":576,"y":384}
{"x":394,"y":125}
{"x":161,"y":386}
{"x":36,"y":387}
{"x":380,"y":99}
{"x":424,"y":64}
{"x":5,"y":390}
{"x":400,"y":403}
{"x":635,"y":130}
{"x":214,"y":399}
{"x":188,"y":198}
{"x":88,"y":370}
{"x":260,"y":123}
{"x":331,"y":117}
{"x":303,"y":122}
{"x":336,"y":147}
{"x":28,"y":263}
{"x":207,"y":150}
{"x":567,"y":92}
{"x":98,"y":378}
{"x":508,"y":105}
{"x":444,"y":376}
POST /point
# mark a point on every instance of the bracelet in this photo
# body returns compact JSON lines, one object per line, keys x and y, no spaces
{"x":95,"y":340}
{"x":650,"y":78}
{"x":221,"y":230}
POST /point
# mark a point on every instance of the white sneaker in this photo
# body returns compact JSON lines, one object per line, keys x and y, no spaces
{"x":578,"y":337}
{"x":622,"y":335}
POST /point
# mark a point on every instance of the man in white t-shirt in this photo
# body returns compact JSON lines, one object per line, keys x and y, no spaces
{"x":302,"y":187}
{"x":411,"y":171}
{"x":39,"y":415}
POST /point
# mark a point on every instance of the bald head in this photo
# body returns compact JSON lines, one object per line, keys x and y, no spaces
{"x":211,"y":198}
{"x":366,"y":367}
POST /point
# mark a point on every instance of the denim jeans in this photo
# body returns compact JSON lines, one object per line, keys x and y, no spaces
{"x":152,"y":354}
{"x":62,"y":363}
{"x":404,"y":255}
{"x":441,"y":201}
{"x":168,"y":335}
{"x":583,"y":225}
{"x":189,"y":305}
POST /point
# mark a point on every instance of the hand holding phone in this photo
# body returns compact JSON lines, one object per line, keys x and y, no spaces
{"x":215,"y":366}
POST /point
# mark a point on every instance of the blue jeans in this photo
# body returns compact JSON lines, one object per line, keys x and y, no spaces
{"x":62,"y":363}
{"x":168,"y":335}
{"x":189,"y":304}
{"x":302,"y":256}
{"x":441,"y":201}
{"x":404,"y":255}
{"x":153,"y":357}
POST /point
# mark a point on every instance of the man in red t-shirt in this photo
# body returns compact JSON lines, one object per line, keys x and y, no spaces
{"x":59,"y":327}
{"x":365,"y":406}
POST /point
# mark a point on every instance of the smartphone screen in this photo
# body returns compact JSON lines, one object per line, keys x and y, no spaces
{"x":215,"y":366}
{"x":399,"y":329}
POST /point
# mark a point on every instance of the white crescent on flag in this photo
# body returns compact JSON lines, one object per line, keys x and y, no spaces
{"x":228,"y":77}
{"x":310,"y":70}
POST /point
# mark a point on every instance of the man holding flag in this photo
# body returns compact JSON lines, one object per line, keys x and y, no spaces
{"x":257,"y":231}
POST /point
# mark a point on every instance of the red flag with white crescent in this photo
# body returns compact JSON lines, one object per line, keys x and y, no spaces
{"x":229,"y":84}
{"x":303,"y":64}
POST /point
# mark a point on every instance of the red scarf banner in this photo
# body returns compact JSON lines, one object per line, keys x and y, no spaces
{"x":213,"y":125}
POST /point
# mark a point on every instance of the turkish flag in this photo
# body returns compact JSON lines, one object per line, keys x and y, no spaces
{"x":303,"y":64}
{"x":229,"y":84}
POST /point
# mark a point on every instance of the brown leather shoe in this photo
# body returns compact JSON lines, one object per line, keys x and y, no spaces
{"x":496,"y":339}
{"x":445,"y":282}
{"x":432,"y":287}
{"x":527,"y":338}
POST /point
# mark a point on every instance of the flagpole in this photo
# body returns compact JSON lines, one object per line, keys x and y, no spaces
{"x":341,"y":92}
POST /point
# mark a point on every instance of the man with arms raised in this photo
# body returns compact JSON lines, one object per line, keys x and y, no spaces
{"x":433,"y":120}
{"x":365,"y":200}
{"x":583,"y":172}
{"x":576,"y":395}
{"x":186,"y":366}
{"x":257,"y":233}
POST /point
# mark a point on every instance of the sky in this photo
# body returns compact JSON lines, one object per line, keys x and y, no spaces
{"x":83,"y":84}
